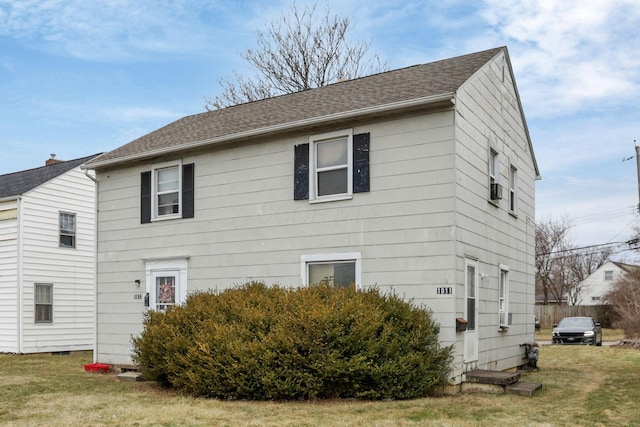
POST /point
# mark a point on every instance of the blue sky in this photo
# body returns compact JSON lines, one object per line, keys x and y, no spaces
{"x":79,"y":77}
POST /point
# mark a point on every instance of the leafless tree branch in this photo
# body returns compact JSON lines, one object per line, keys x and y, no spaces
{"x":300,"y":51}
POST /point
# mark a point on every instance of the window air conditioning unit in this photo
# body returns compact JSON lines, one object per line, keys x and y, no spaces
{"x":505,"y":319}
{"x":496,"y":191}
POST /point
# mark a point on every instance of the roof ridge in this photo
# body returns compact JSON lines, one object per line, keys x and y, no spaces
{"x":48,"y":166}
{"x":18,"y":183}
{"x":342,"y":82}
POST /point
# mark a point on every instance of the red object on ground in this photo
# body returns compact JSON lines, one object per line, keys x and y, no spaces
{"x":96,"y":367}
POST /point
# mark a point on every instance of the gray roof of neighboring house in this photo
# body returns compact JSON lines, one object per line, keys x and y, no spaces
{"x":422,"y":84}
{"x":18,"y":183}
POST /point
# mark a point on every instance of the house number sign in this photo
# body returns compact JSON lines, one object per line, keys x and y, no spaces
{"x":137,"y":296}
{"x":444,"y":290}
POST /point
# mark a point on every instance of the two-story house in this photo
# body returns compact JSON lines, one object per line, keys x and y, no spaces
{"x":419,"y":181}
{"x":47,"y":258}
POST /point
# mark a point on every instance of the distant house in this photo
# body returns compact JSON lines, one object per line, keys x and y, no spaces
{"x":594,"y":287}
{"x":419,"y":181}
{"x":47,"y":258}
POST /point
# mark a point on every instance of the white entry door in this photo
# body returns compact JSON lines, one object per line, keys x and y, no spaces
{"x":165,"y":286}
{"x":471,"y":311}
{"x":166,"y":283}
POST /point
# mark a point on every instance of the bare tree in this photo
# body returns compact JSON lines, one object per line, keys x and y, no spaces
{"x":551,"y":240}
{"x":299,"y":51}
{"x":561,"y":267}
{"x":624,"y":297}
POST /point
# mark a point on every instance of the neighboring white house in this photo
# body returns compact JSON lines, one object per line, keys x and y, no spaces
{"x":47,"y":259}
{"x":419,"y":181}
{"x":594,"y":287}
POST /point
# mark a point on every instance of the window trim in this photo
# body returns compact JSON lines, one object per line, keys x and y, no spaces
{"x":305,"y":260}
{"x":70,"y":233}
{"x":314,"y":140}
{"x":154,"y":190}
{"x":48,"y":304}
{"x":503,"y":296}
{"x":608,"y":275}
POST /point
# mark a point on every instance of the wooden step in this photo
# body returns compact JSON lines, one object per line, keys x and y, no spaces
{"x":485,"y":376}
{"x":524,"y":388}
{"x":486,"y":381}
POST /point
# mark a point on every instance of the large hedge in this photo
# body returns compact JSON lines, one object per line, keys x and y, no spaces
{"x":261,"y":343}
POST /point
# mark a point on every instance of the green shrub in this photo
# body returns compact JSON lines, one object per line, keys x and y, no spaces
{"x":259,"y":342}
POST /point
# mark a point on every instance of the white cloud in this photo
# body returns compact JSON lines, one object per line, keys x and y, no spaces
{"x":108,"y":30}
{"x":568,"y":53}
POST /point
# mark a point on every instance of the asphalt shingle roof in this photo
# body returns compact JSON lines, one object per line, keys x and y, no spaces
{"x":416,"y":82}
{"x":18,"y":183}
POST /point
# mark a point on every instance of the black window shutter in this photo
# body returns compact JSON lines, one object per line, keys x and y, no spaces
{"x":301,"y":172}
{"x":145,"y":197}
{"x":361,"y":163}
{"x":187,"y":190}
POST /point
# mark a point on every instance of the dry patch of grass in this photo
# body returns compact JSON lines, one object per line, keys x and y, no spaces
{"x":582,"y":386}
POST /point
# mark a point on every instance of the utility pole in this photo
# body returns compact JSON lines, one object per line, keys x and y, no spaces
{"x":638,"y":169}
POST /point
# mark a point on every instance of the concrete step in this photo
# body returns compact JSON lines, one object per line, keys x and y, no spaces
{"x":130,"y":376}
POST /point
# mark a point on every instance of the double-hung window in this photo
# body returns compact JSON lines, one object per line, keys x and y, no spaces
{"x":331,"y":166}
{"x":513,"y":185}
{"x":503,"y":297}
{"x":340,"y":270}
{"x":167,"y":192}
{"x":331,"y":163}
{"x":495,"y":189}
{"x":43,"y":299}
{"x":67,"y":223}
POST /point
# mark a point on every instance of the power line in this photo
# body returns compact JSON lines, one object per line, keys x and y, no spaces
{"x":628,"y":242}
{"x":610,"y":214}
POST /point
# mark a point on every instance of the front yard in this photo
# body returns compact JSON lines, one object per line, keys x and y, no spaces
{"x":582,"y":386}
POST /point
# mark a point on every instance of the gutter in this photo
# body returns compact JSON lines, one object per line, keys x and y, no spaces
{"x":95,"y":265}
{"x":375,"y":110}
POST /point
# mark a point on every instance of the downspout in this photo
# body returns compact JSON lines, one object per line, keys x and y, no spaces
{"x":95,"y":265}
{"x":20,"y":328}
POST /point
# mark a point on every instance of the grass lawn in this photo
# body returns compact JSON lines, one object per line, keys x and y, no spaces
{"x":582,"y":386}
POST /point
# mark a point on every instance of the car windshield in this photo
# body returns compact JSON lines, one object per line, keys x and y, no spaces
{"x":575,"y":322}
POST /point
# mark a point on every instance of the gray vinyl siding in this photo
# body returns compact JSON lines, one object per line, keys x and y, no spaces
{"x":488,"y":117}
{"x":248,"y":227}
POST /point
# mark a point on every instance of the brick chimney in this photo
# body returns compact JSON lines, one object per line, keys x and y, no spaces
{"x":52,"y":160}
